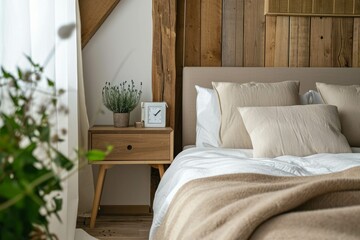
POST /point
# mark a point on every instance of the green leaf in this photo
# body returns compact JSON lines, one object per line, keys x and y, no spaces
{"x":63,"y":161}
{"x":109,"y":149}
{"x":30,"y":60}
{"x":95,"y":155}
{"x":9,"y":188}
{"x":5,"y":73}
{"x":20,"y":74}
{"x":44,"y":133}
{"x":50,"y":82}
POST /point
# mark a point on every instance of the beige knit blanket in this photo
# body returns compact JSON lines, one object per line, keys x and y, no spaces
{"x":255,"y":206}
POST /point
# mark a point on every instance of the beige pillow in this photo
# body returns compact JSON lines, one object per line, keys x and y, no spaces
{"x":232,"y":95}
{"x":347,"y":99}
{"x":294,"y":130}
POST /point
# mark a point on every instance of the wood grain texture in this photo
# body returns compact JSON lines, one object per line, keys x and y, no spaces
{"x":342,"y":41}
{"x":229,"y":33}
{"x":133,"y":147}
{"x":356,"y":43}
{"x":323,"y":6}
{"x":163,"y":56}
{"x":133,"y":144}
{"x":254,"y":33}
{"x":193,"y":33}
{"x":211,"y":23}
{"x":357,"y":7}
{"x":277,"y":42}
{"x":124,"y":210}
{"x":321,"y":37}
{"x":239,"y":35}
{"x":232,"y":33}
{"x":92,"y":14}
{"x":331,"y":8}
{"x":296,"y":6}
{"x":299,"y":45}
{"x":343,"y":6}
{"x":118,"y":227}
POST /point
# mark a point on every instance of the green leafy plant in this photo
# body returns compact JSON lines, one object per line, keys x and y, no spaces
{"x":31,"y":166}
{"x":121,"y":99}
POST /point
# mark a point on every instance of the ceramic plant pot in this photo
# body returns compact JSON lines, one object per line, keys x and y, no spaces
{"x":121,"y":120}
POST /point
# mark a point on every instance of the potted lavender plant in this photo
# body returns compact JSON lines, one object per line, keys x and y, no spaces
{"x":121,"y":100}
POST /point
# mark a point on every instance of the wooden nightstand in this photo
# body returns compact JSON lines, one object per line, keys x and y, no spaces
{"x":153,"y":146}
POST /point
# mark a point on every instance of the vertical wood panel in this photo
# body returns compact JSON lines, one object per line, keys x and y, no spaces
{"x":229,"y":33}
{"x":279,"y":6}
{"x":254,"y":33}
{"x":343,"y":6}
{"x":239,"y":36}
{"x":342,"y":42}
{"x":320,"y":46}
{"x":357,"y":7}
{"x":299,"y":46}
{"x":211,"y":15}
{"x":283,"y":6}
{"x":192,"y":33}
{"x":296,"y":6}
{"x":273,"y":5}
{"x":277,"y":42}
{"x":356,"y":43}
{"x":232,"y":33}
{"x":270,"y":38}
{"x":323,"y":6}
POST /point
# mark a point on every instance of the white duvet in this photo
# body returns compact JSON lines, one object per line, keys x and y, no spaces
{"x":195,"y":163}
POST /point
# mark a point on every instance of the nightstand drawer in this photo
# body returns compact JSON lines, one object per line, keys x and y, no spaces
{"x":134,"y":146}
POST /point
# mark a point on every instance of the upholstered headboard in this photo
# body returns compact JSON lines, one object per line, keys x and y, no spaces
{"x":203,"y":76}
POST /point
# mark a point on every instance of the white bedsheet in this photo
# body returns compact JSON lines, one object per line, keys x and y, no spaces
{"x":194,"y":163}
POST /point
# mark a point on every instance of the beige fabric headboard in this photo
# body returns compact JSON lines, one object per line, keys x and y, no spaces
{"x":203,"y":76}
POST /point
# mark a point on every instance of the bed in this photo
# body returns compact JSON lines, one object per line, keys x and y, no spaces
{"x":212,"y":192}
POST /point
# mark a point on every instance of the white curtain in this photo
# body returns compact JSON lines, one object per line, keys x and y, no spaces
{"x":30,"y":27}
{"x":86,"y":181}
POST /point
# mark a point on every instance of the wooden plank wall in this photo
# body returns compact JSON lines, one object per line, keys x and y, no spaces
{"x":313,"y":7}
{"x":237,"y":33}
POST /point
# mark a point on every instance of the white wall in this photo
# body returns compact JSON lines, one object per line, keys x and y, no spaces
{"x":121,"y":50}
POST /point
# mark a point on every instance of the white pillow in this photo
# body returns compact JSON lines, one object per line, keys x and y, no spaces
{"x":207,"y":118}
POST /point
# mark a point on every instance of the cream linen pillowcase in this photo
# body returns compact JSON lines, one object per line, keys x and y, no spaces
{"x":232,"y":95}
{"x":347,"y":99}
{"x":294,"y":130}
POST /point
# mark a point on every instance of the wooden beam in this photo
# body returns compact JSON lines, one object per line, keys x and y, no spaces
{"x":93,"y":14}
{"x":163,"y":66}
{"x":163,"y":55}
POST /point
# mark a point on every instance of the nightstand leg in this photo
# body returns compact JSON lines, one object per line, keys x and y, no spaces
{"x":97,"y":196}
{"x":161,"y":169}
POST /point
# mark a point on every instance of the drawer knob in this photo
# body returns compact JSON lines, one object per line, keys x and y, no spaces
{"x":129,"y":147}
